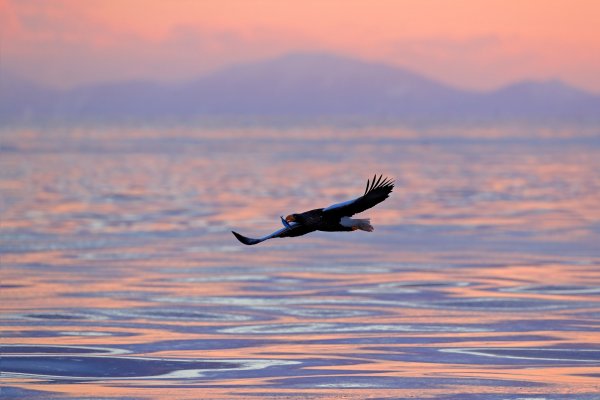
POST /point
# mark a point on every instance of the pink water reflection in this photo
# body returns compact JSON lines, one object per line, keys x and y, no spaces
{"x":481,"y":276}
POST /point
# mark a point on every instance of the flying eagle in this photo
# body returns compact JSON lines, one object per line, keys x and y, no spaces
{"x":335,"y":218}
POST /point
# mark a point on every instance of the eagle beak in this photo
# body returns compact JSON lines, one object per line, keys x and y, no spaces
{"x":290,"y":218}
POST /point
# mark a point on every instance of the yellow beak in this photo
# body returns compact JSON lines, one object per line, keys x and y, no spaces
{"x":290,"y":218}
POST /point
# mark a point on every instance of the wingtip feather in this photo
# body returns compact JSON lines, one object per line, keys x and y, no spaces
{"x":373,"y":182}
{"x":245,"y":240}
{"x":379,"y":180}
{"x":377,"y":183}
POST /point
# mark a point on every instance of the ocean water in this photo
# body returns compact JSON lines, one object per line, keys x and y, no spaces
{"x":121,"y":279}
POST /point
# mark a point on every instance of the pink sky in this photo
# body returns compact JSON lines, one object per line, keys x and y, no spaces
{"x":467,"y":43}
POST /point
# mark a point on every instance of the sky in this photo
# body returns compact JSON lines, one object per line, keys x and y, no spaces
{"x":471,"y":44}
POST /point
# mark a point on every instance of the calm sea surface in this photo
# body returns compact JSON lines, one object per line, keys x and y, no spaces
{"x":121,"y":279}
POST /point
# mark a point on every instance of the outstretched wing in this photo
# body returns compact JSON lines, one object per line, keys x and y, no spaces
{"x":376,"y":191}
{"x":291,"y":231}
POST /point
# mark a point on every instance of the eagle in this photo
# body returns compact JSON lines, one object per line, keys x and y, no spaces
{"x":335,"y":218}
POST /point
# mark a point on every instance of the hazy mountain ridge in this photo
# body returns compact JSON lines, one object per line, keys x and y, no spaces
{"x":301,"y":85}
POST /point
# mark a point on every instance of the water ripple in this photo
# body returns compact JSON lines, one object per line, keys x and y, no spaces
{"x":344,"y":328}
{"x":541,"y":354}
{"x":90,"y":363}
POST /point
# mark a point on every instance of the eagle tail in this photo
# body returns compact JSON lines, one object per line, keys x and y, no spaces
{"x":364,"y":224}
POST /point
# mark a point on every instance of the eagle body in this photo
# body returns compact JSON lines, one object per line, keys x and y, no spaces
{"x":335,"y":218}
{"x":327,"y":221}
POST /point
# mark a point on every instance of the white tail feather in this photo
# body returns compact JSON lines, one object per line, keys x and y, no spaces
{"x":363,"y":224}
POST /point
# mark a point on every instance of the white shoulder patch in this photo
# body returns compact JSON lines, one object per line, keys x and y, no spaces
{"x":338,"y":205}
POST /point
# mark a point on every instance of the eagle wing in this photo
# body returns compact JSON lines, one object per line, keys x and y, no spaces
{"x":288,"y":231}
{"x":376,"y":191}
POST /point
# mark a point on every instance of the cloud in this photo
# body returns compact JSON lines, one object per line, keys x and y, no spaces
{"x":88,"y":51}
{"x":67,"y":42}
{"x":488,"y":61}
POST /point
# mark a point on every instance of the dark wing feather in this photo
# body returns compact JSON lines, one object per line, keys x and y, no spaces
{"x":246,"y":240}
{"x":377,"y":191}
{"x":291,"y":231}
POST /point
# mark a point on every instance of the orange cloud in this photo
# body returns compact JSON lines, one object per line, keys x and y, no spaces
{"x":467,"y":43}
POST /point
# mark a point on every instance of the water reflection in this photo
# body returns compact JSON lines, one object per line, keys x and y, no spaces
{"x":119,"y":270}
{"x":92,"y":364}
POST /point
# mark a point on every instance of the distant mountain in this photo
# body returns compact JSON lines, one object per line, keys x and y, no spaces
{"x":299,"y":85}
{"x":543,"y":99}
{"x":320,"y":85}
{"x":20,"y":98}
